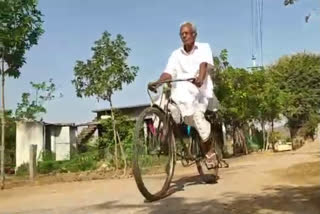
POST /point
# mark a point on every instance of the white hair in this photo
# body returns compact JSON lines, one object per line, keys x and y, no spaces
{"x":193,"y":26}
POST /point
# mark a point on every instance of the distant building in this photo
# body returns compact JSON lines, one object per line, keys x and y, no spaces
{"x":132,"y":112}
{"x":58,"y":138}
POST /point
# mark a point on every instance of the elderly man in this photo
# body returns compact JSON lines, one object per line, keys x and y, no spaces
{"x":192,"y":61}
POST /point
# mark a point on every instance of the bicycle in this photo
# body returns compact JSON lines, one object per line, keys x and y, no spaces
{"x":154,"y":147}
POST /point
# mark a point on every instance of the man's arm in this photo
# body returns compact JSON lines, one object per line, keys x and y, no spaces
{"x":202,"y":74}
{"x":167,"y":74}
{"x":204,"y":66}
{"x":154,"y":85}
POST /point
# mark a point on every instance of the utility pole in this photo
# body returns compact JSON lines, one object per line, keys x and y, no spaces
{"x":253,"y":61}
{"x":3,"y":120}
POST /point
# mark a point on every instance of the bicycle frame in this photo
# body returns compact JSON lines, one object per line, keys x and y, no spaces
{"x":165,"y":95}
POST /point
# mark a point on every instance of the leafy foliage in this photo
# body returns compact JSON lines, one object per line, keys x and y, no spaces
{"x":20,"y":29}
{"x":78,"y":162}
{"x":291,"y":87}
{"x":106,"y":72}
{"x":298,"y":76}
{"x":125,"y":128}
{"x":30,"y":109}
{"x":267,"y":99}
{"x":233,"y":95}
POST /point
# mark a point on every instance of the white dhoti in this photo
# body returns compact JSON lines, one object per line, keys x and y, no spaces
{"x":193,"y":104}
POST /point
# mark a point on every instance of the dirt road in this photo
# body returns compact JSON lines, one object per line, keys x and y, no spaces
{"x":260,"y":183}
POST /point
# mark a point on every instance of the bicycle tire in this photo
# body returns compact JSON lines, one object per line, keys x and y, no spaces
{"x":171,"y":154}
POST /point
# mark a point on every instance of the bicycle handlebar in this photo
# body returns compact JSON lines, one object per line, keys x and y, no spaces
{"x":167,"y":81}
{"x":172,"y":80}
{"x":176,"y":80}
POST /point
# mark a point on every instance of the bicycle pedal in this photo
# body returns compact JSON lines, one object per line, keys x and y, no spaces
{"x":212,"y":167}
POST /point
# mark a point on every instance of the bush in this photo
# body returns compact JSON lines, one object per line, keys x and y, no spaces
{"x":78,"y":162}
{"x":256,"y":141}
{"x":48,"y":156}
{"x":82,"y":162}
{"x":274,"y":137}
{"x":45,"y":167}
{"x":23,"y":170}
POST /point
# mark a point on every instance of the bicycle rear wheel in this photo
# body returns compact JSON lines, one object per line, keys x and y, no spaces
{"x":154,"y":154}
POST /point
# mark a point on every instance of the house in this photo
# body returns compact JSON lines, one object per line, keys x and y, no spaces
{"x":132,"y":112}
{"x":58,"y":138}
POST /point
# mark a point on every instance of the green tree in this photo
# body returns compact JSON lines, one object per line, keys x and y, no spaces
{"x":298,"y":76}
{"x":20,"y":29}
{"x":266,"y":99}
{"x":105,"y":73}
{"x":246,"y":96}
{"x":31,"y":109}
{"x":220,"y":63}
{"x":232,"y":93}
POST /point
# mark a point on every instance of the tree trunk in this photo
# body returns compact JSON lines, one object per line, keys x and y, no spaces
{"x":114,"y":136}
{"x":124,"y":158}
{"x":267,"y":146}
{"x":234,"y":140}
{"x":243,"y":141}
{"x":239,"y":140}
{"x":3,"y":122}
{"x":250,"y":132}
{"x":263,"y":135}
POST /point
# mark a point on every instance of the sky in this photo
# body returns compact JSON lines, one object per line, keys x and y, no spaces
{"x":151,"y":29}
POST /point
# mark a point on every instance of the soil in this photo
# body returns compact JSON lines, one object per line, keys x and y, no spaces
{"x":261,"y":183}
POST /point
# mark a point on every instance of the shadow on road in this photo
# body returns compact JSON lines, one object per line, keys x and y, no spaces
{"x":282,"y":199}
{"x":181,"y":183}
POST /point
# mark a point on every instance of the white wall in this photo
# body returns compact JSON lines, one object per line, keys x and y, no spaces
{"x":62,"y":143}
{"x":28,"y":133}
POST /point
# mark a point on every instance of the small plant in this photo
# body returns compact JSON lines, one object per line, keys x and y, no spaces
{"x":275,"y":137}
{"x":78,"y":162}
{"x":82,"y":162}
{"x":45,"y":167}
{"x":48,"y":156}
{"x":23,"y":170}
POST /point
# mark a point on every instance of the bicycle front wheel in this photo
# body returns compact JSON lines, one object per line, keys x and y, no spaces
{"x":154,"y":154}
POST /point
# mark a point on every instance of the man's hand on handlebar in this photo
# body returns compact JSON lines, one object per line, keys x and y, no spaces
{"x":198,"y":82}
{"x":152,"y":86}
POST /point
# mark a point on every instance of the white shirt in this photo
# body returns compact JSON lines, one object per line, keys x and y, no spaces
{"x":183,"y":65}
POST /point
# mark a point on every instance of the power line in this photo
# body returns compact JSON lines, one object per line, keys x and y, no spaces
{"x":257,"y":30}
{"x":252,"y":26}
{"x":261,"y":32}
